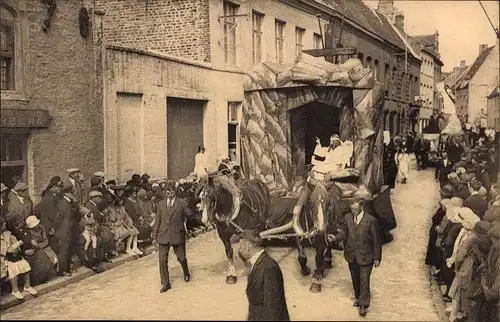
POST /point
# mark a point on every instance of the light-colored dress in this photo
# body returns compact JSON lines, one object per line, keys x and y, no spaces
{"x":117,"y":225}
{"x":127,"y":221}
{"x":403,"y":162}
{"x":8,"y":268}
{"x":200,"y":165}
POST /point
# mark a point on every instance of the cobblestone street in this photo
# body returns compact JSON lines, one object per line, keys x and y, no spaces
{"x":400,"y":286}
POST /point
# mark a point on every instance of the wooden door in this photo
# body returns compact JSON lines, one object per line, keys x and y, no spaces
{"x":184,"y":135}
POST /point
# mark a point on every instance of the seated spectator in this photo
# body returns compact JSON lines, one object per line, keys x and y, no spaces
{"x":117,"y":225}
{"x":131,"y":246}
{"x":89,"y":234}
{"x":12,"y":262}
{"x":38,"y":253}
{"x":144,"y":199}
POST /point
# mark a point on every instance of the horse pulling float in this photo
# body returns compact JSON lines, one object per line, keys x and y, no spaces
{"x":278,"y":100}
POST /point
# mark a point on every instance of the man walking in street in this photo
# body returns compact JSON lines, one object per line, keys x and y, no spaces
{"x":362,"y":249}
{"x":265,"y":289}
{"x":169,"y":231}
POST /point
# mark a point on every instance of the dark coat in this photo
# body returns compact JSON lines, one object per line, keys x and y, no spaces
{"x":134,"y":210}
{"x":266,"y":291}
{"x":66,"y":219}
{"x":46,"y":210}
{"x":362,"y":244}
{"x":477,"y":204}
{"x":443,"y":171}
{"x":17,"y":212}
{"x":78,"y":191}
{"x":169,"y":224}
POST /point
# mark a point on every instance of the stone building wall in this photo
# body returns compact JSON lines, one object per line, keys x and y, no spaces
{"x":56,"y":70}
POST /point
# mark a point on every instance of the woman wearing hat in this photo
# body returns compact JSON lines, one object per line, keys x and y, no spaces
{"x":13,"y":265}
{"x":39,"y":254}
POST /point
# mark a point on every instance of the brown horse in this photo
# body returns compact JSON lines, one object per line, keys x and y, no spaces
{"x":257,"y":212}
{"x":322,"y":203}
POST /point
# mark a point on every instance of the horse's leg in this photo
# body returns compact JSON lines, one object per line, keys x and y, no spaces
{"x":231,"y":270}
{"x":304,"y":269}
{"x":319,"y":272}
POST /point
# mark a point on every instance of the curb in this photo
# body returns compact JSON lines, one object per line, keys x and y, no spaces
{"x":437,"y":299}
{"x":9,"y":301}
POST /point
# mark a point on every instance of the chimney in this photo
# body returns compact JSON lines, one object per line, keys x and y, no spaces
{"x":482,"y":48}
{"x":386,"y":9}
{"x":436,"y":42}
{"x":462,"y":64}
{"x":400,"y":22}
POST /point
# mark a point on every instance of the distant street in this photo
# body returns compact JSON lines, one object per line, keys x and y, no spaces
{"x":400,"y":286}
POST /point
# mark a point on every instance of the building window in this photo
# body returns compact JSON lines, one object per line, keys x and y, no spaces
{"x":7,"y":49}
{"x":361,"y":59}
{"x":279,"y":27}
{"x":230,"y":9}
{"x":13,"y":157}
{"x":257,"y":19}
{"x":369,"y":62}
{"x":299,"y":37}
{"x":233,"y":130}
{"x":317,"y":41}
{"x":377,"y":70}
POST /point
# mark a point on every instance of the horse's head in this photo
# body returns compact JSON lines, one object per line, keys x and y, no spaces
{"x":215,"y":202}
{"x":322,"y":204}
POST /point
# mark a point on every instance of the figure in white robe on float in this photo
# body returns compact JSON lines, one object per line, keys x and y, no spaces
{"x":332,"y":159}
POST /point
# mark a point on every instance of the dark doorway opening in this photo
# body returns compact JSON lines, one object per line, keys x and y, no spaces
{"x":315,"y":119}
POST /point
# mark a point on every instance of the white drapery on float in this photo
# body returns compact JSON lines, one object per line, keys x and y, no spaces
{"x":454,"y":126}
{"x":272,"y":89}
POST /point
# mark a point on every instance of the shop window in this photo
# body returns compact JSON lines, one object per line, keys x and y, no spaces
{"x":7,"y":48}
{"x":233,"y":129}
{"x":13,"y":157}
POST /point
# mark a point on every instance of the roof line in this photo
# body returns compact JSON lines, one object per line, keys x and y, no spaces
{"x":407,"y":44}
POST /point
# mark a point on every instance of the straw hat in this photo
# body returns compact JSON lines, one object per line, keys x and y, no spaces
{"x":32,"y":222}
{"x":72,"y":170}
{"x":95,"y":193}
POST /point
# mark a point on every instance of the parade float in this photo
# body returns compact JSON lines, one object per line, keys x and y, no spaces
{"x":287,"y":106}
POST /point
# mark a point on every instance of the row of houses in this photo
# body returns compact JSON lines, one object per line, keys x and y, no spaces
{"x":476,"y":88}
{"x":133,"y":86}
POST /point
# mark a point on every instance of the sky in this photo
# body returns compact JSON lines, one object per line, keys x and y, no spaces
{"x":462,"y":25}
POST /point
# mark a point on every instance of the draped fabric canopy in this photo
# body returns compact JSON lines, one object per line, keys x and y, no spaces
{"x":273,"y":90}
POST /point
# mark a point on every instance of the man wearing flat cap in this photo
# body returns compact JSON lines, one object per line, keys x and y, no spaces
{"x":75,"y":180}
{"x":19,"y":208}
{"x":265,"y":289}
{"x":169,"y":231}
{"x":104,"y":234}
{"x":362,"y":248}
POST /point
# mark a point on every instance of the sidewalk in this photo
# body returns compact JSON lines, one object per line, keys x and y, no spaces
{"x":8,"y":301}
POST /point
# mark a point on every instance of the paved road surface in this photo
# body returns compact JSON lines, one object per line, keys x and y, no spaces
{"x":400,"y":286}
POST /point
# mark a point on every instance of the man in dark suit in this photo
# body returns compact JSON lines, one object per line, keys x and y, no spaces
{"x":64,"y":225}
{"x":169,"y":231}
{"x":477,"y":204}
{"x":265,"y":289}
{"x":443,"y":169}
{"x":75,"y":179}
{"x":362,"y":249}
{"x":46,"y":209}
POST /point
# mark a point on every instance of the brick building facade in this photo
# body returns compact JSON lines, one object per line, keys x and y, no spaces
{"x":51,"y":117}
{"x":154,"y":79}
